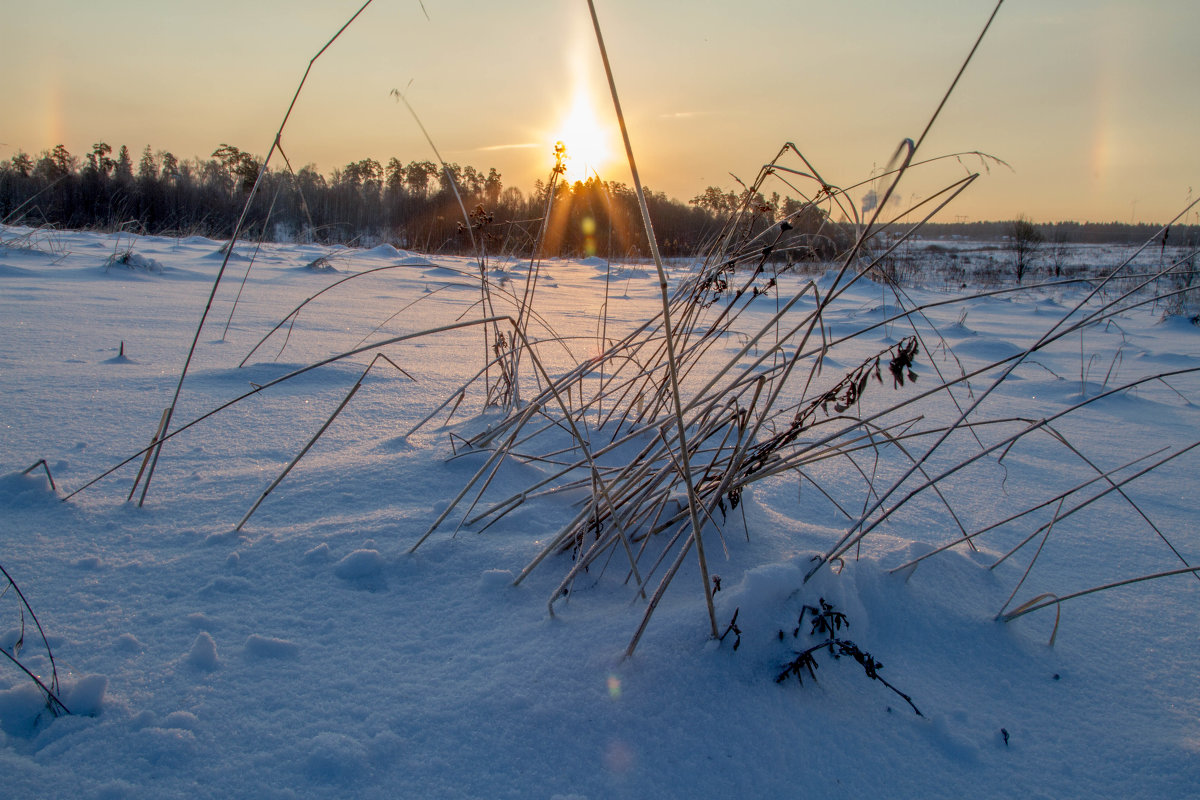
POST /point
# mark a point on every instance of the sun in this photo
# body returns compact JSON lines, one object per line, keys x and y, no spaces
{"x":586,"y":140}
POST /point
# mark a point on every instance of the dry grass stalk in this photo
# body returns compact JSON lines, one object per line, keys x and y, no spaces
{"x":156,"y":446}
{"x":51,"y":692}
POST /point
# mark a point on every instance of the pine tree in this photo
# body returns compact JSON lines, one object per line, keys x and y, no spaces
{"x":170,"y":165}
{"x":22,"y":163}
{"x":98,"y":161}
{"x":147,"y":167}
{"x":492,"y":186}
{"x":124,"y":169}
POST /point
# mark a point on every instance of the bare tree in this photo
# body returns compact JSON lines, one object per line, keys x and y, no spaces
{"x":1024,"y":238}
{"x":1060,"y":248}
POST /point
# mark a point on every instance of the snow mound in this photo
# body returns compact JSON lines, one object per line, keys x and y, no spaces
{"x":128,"y":643}
{"x":363,"y":568}
{"x":493,"y":580}
{"x":20,"y":490}
{"x":318,"y":555}
{"x":988,"y":350}
{"x":134,"y":262}
{"x":203,"y":654}
{"x":85,"y":696}
{"x":119,"y":359}
{"x":264,"y":647}
{"x":957,"y":329}
{"x":322,"y":264}
{"x":385,"y":251}
{"x":198,"y":240}
{"x":181,"y":720}
{"x":219,"y":255}
{"x":22,"y":709}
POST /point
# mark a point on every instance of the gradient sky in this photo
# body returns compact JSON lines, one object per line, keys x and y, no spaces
{"x":1094,"y":104}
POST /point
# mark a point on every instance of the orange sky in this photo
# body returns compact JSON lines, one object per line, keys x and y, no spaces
{"x":1094,"y":105}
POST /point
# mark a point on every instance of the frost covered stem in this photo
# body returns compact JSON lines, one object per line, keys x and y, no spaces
{"x":672,"y":370}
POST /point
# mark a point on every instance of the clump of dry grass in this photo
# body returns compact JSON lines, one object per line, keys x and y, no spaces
{"x":41,"y":239}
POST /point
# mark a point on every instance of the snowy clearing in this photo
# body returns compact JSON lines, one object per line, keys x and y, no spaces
{"x":310,"y":655}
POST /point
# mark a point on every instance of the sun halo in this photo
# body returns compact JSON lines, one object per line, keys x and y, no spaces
{"x":587,"y":141}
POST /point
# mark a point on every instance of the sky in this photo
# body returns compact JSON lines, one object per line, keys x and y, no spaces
{"x":1092,"y":105}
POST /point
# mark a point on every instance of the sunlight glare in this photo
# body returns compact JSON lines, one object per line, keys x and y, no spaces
{"x":587,"y":143}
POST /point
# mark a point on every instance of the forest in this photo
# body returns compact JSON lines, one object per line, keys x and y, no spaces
{"x":411,"y":205}
{"x":423,"y":206}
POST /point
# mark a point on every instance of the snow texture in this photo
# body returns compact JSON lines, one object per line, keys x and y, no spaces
{"x":308,"y":654}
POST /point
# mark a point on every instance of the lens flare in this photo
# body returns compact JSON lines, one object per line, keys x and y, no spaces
{"x":588,"y":227}
{"x":619,"y":757}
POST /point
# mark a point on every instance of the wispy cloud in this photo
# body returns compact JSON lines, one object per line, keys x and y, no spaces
{"x":521,"y":146}
{"x":686,"y":114}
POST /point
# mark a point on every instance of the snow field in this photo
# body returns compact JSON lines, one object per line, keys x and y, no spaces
{"x":310,"y":656}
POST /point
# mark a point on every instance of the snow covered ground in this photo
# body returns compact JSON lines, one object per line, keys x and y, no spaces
{"x":309,"y":655}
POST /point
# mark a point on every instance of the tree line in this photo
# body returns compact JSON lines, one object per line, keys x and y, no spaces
{"x":418,"y":204}
{"x":1068,"y":231}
